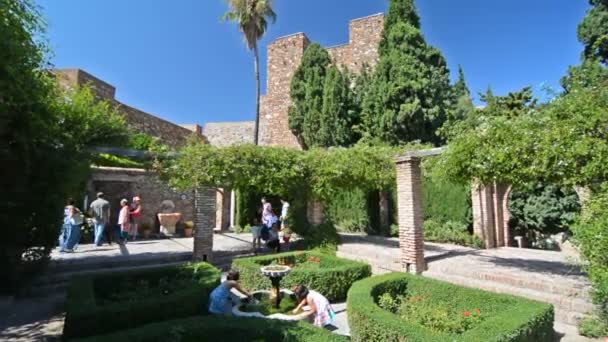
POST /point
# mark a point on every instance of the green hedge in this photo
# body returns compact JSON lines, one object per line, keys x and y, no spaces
{"x":512,"y":318}
{"x":333,"y":278}
{"x":87,"y":314}
{"x":214,"y":328}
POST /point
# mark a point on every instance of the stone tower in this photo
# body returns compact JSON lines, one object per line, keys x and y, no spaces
{"x":284,"y":57}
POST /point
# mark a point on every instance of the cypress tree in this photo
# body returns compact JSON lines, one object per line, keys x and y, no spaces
{"x":410,"y":92}
{"x":322,"y":112}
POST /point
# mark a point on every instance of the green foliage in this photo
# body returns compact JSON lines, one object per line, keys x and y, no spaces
{"x":591,"y":234}
{"x":101,"y":303}
{"x":593,"y":31}
{"x":321,"y":113}
{"x":409,"y":94}
{"x":445,"y":200}
{"x":348,"y":210}
{"x":43,"y":133}
{"x":215,"y":328}
{"x":332,"y":278}
{"x":265,"y":307}
{"x":504,"y":318}
{"x":283,"y":171}
{"x":563,"y":143}
{"x":592,"y":327}
{"x":116,"y":161}
{"x":450,"y":232}
{"x":546,"y":209}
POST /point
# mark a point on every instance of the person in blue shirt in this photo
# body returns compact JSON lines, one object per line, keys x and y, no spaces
{"x":220,"y":301}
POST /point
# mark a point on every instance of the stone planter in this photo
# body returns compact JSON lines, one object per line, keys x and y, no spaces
{"x":167,"y":222}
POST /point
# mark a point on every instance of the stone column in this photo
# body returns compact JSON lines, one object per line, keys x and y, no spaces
{"x":232,"y":207}
{"x":315,"y":212}
{"x":204,"y":222}
{"x":410,"y":212}
{"x":483,"y":213}
{"x":384,"y":213}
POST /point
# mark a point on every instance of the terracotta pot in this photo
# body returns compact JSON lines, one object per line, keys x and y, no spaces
{"x":188,"y":232}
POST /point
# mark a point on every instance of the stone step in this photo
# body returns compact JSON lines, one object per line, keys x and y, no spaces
{"x":379,"y":265}
{"x":562,"y":285}
{"x":568,"y":310}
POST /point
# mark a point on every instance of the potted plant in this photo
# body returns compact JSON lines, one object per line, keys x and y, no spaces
{"x":188,"y":227}
{"x":146,"y":230}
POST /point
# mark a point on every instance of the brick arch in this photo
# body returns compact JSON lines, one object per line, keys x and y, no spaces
{"x":491,"y":214}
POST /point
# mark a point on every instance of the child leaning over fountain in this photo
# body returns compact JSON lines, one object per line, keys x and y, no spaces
{"x":220,"y":301}
{"x":321,"y":312}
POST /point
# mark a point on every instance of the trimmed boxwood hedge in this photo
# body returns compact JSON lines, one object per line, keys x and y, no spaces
{"x":514,"y":319}
{"x":87,"y":315}
{"x":222,"y":328}
{"x":333,"y":278}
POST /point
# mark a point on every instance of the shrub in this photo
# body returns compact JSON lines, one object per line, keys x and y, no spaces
{"x":349,"y":211}
{"x":505,"y":318}
{"x":214,"y":328}
{"x":110,"y":302}
{"x":593,"y":327}
{"x":590,"y":233}
{"x":450,"y":232}
{"x":333,"y":276}
{"x":445,"y":201}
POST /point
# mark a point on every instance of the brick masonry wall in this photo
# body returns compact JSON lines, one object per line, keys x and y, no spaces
{"x":229,"y":133}
{"x":168,"y":132}
{"x":284,"y":57}
{"x":119,"y":183}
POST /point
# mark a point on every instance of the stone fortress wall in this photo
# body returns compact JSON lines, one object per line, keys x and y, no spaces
{"x":284,"y":57}
{"x":140,"y":121}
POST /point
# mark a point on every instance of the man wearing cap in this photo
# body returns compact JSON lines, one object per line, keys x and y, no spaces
{"x":134,"y":217}
{"x":100,"y":210}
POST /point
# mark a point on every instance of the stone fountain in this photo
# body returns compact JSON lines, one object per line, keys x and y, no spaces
{"x":275,"y":273}
{"x":168,"y":218}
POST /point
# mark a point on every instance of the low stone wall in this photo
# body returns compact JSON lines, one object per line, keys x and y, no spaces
{"x":118,"y":183}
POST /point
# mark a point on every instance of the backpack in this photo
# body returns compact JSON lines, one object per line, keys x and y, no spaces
{"x":265,"y":233}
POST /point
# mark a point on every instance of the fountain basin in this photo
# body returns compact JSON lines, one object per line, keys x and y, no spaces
{"x":168,"y":221}
{"x":240,"y":310}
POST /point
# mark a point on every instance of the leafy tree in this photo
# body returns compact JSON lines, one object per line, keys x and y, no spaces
{"x":546,"y":209}
{"x":322,"y":113}
{"x":410,"y":91}
{"x":593,"y":31}
{"x":252,"y":18}
{"x":593,"y":34}
{"x":307,"y":87}
{"x":44,"y":139}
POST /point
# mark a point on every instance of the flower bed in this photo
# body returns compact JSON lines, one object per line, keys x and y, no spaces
{"x":398,"y":307}
{"x":111,"y":302}
{"x":213,"y":328}
{"x":329,"y":275}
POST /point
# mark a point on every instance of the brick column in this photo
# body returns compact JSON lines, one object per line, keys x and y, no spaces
{"x":411,"y":219}
{"x":503,"y":215}
{"x":204,"y":222}
{"x":315,"y":212}
{"x":483,"y":213}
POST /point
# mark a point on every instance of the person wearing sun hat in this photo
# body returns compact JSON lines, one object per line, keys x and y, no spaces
{"x":134,"y":217}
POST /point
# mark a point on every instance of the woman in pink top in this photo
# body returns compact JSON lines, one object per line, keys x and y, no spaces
{"x":321,"y":312}
{"x":123,"y":220}
{"x":135,"y":216}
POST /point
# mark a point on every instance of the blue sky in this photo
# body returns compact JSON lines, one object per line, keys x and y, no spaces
{"x":177,"y":60}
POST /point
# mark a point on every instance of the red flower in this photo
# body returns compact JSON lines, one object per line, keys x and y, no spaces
{"x":477,"y":311}
{"x":466,"y":314}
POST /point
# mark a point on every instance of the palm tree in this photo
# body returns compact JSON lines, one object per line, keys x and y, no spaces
{"x":252,"y":18}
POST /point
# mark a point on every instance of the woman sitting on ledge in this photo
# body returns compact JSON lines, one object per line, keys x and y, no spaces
{"x":321,"y":312}
{"x":220,"y":301}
